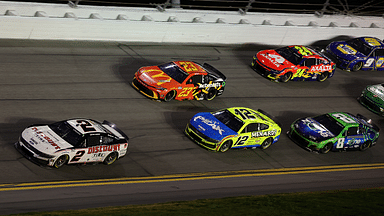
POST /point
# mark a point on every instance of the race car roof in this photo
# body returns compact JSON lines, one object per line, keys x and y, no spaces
{"x":85,"y":126}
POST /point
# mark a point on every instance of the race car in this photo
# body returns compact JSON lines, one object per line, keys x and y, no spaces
{"x":362,"y":53}
{"x":236,"y":127}
{"x":297,"y":63}
{"x":180,"y":80}
{"x":334,"y":131}
{"x":73,"y":141}
{"x":372,"y":98}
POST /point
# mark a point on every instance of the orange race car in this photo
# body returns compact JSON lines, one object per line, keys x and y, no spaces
{"x":180,"y":80}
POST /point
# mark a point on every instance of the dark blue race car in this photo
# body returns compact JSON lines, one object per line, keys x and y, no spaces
{"x":362,"y":53}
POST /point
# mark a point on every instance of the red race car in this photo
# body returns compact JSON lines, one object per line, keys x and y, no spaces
{"x":180,"y":80}
{"x":296,"y":63}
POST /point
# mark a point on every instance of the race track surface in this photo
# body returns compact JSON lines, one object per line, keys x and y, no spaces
{"x":47,"y":81}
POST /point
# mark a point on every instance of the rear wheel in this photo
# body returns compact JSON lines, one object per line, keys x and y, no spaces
{"x":170,"y":96}
{"x":211,"y":94}
{"x":326,"y":148}
{"x":323,"y":76}
{"x":61,"y":161}
{"x":357,"y":66}
{"x":226,"y":146}
{"x":286,"y":77}
{"x":110,"y":158}
{"x":365,"y":145}
{"x":267,"y":142}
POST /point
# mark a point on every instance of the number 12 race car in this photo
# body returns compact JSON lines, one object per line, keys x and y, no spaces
{"x":180,"y":80}
{"x":73,"y":141}
{"x":235,"y":127}
{"x":297,"y":63}
{"x":334,"y":131}
{"x":365,"y":53}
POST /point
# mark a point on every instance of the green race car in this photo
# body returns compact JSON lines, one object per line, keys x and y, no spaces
{"x":372,"y":98}
{"x":334,"y":131}
{"x":235,"y":127}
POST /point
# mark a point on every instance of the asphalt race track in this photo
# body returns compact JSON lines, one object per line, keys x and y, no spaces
{"x":47,"y":81}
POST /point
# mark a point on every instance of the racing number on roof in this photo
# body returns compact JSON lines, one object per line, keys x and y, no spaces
{"x":343,"y":118}
{"x":303,"y":50}
{"x":372,"y":41}
{"x":188,"y":66}
{"x":245,"y":114}
{"x":86,"y":126}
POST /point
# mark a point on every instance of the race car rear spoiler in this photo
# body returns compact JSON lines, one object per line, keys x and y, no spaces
{"x":214,"y":71}
{"x":270,"y":116}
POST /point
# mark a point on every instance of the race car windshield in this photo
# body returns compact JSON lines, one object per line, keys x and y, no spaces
{"x":229,"y":120}
{"x":290,"y":55}
{"x":330,"y":123}
{"x":67,"y":132}
{"x":360,"y":46}
{"x":172,"y":70}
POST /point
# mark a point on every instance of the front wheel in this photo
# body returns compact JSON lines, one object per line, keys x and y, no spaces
{"x":169,"y":96}
{"x":226,"y":146}
{"x":286,"y":77}
{"x":357,"y":66}
{"x":110,"y":158}
{"x":61,"y":161}
{"x":267,"y":142}
{"x":212,"y":92}
{"x":365,"y":145}
{"x":323,"y":76}
{"x":326,"y":148}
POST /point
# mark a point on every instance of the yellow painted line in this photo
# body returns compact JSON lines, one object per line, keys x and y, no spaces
{"x":190,"y":177}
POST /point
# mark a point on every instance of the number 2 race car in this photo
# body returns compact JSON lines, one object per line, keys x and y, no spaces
{"x":73,"y":141}
{"x":365,"y":53}
{"x":297,"y":63}
{"x":236,"y":127}
{"x":372,"y":98}
{"x":334,"y":131}
{"x":180,"y":80}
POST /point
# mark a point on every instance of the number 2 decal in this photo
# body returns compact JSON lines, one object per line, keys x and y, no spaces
{"x":86,"y":126}
{"x":78,"y":156}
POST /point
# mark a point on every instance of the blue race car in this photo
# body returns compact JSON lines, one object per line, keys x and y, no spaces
{"x":362,"y":53}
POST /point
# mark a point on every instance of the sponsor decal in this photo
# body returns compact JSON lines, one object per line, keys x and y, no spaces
{"x":215,"y":125}
{"x":263,"y":133}
{"x":97,"y":149}
{"x":214,"y":85}
{"x":321,"y":68}
{"x":377,"y":91}
{"x":45,"y":137}
{"x":314,"y":126}
{"x":274,"y":59}
{"x":372,"y":41}
{"x":346,"y":49}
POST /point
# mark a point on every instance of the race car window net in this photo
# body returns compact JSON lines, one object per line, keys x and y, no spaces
{"x":290,"y":55}
{"x":67,"y":132}
{"x":360,"y":46}
{"x":330,"y":123}
{"x":229,"y":120}
{"x":172,"y":70}
{"x":379,"y":52}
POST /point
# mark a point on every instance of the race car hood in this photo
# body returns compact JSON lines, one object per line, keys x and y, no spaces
{"x":273,"y":60}
{"x":210,"y":126}
{"x":313,"y":130}
{"x":44,"y":139}
{"x":375,"y":91}
{"x":155,"y":77}
{"x":343,"y":50}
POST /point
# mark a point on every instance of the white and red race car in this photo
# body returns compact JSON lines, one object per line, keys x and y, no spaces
{"x":73,"y":141}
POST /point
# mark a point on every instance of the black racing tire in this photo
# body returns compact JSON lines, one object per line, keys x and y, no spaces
{"x":323,"y":76}
{"x":267,"y":142}
{"x":225,"y":146}
{"x":365,"y":145}
{"x":326,"y":148}
{"x":212,"y":92}
{"x":357,"y":66}
{"x":286,"y":77}
{"x":170,"y":96}
{"x":62,"y":160}
{"x":112,"y":157}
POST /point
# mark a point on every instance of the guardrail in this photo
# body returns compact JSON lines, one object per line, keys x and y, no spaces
{"x":176,"y":25}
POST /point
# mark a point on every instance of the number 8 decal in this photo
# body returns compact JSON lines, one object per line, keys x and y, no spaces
{"x":340,"y":143}
{"x":343,"y":117}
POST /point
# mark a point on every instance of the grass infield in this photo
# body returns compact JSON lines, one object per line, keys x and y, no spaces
{"x":339,"y":202}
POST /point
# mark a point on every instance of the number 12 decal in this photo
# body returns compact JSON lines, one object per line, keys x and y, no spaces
{"x":241,"y":140}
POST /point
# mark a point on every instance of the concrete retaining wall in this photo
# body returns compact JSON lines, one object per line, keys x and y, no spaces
{"x":61,"y":22}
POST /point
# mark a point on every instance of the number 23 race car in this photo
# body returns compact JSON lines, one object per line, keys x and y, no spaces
{"x":73,"y":141}
{"x":180,"y":80}
{"x":235,"y":127}
{"x":297,"y":63}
